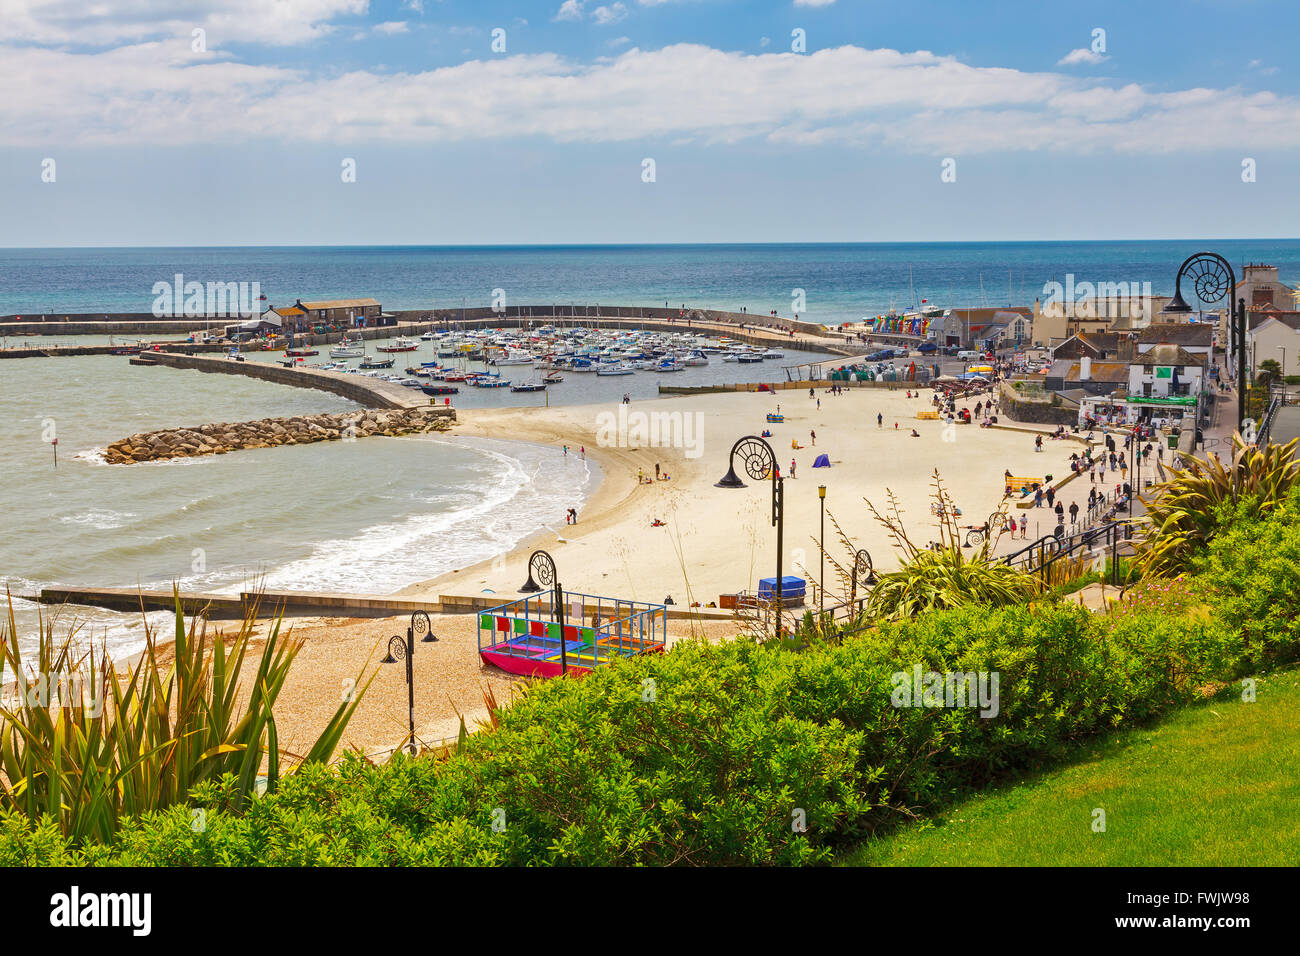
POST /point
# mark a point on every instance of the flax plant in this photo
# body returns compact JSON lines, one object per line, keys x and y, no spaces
{"x":86,"y":745}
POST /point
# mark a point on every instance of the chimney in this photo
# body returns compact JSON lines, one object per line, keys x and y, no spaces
{"x":1127,"y":349}
{"x":1085,"y":369}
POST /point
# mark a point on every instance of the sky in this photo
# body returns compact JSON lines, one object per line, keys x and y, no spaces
{"x":273,"y":122}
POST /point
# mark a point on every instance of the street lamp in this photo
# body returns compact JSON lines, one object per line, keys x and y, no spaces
{"x":862,"y":571}
{"x":759,"y":462}
{"x":1213,"y":281}
{"x":542,"y":565}
{"x":821,"y":583}
{"x":403,"y":649}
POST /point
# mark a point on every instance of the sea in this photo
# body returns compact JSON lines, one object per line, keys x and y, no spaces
{"x":380,"y":514}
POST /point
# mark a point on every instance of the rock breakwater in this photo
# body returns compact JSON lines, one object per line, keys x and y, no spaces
{"x":219,"y":439}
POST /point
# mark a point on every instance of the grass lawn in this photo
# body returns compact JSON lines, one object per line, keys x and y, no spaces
{"x":1215,"y":785}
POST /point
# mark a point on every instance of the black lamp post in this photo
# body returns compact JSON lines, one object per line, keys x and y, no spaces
{"x":821,"y":582}
{"x":542,"y":565}
{"x":759,"y":462}
{"x":1213,"y":281}
{"x":403,"y":649}
{"x":862,"y":571}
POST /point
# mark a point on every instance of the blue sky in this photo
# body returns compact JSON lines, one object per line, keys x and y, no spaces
{"x":240,"y":133}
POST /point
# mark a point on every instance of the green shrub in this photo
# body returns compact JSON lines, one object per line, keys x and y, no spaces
{"x":706,"y":755}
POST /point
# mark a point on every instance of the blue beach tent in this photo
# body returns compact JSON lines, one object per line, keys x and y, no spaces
{"x":823,"y":461}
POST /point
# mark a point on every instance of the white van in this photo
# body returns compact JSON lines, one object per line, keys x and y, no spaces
{"x":968,"y":356}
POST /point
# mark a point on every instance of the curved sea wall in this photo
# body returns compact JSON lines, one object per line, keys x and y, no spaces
{"x":268,"y":432}
{"x":371,"y":392}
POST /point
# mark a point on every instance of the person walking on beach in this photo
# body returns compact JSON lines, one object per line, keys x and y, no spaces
{"x":791,"y":467}
{"x":566,"y":451}
{"x":1024,"y":527}
{"x":640,"y":476}
{"x":583,"y":451}
{"x":880,"y":420}
{"x":1038,"y":443}
{"x":656,"y":471}
{"x":813,"y":436}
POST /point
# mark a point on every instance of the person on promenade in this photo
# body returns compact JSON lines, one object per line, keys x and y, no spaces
{"x":1024,"y":528}
{"x":1038,"y":497}
{"x":1074,"y":512}
{"x":1038,"y":443}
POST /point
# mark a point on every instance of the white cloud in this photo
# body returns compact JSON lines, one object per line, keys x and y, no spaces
{"x":104,"y":24}
{"x":919,"y":102}
{"x":765,"y":42}
{"x":620,"y":41}
{"x":392,"y":26}
{"x":611,"y":14}
{"x":1082,"y":55}
{"x":416,"y":5}
{"x":569,"y":10}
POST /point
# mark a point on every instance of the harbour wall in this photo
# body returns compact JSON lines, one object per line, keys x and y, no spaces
{"x":360,"y":389}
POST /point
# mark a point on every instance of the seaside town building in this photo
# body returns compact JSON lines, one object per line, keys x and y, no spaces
{"x":1274,"y":334}
{"x":1260,"y":287}
{"x":351,"y":313}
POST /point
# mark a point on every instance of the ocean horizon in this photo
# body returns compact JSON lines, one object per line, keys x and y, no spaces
{"x":828,"y":282}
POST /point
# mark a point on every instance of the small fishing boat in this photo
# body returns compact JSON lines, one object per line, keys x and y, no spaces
{"x":400,"y":344}
{"x":614,"y":370}
{"x":749,"y":358}
{"x":439,"y":390}
{"x":490,"y":383}
{"x":348,"y":349}
{"x":553,"y":378}
{"x":512,"y":357}
{"x":773,"y":353}
{"x":301,"y":353}
{"x":376,"y":363}
{"x":429,"y":336}
{"x":529,"y":387}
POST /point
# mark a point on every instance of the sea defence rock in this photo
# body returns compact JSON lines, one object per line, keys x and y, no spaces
{"x":226,"y":437}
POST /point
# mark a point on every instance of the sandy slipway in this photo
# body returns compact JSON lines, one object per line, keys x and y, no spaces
{"x":225,"y":437}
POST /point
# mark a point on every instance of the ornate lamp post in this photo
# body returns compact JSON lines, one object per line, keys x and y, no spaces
{"x":542,"y":565}
{"x":1213,"y":281}
{"x":759,"y":462}
{"x":403,"y":649}
{"x":862,"y":572}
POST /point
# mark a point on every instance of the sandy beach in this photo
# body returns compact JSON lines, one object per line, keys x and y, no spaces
{"x":719,"y":540}
{"x":713,"y":540}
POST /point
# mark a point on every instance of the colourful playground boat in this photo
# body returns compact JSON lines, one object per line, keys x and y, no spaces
{"x":527,"y":636}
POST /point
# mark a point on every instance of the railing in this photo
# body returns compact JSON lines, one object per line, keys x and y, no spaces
{"x":1266,"y":425}
{"x":1040,"y":556}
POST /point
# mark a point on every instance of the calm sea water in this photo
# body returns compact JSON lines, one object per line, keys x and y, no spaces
{"x":840,"y":281}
